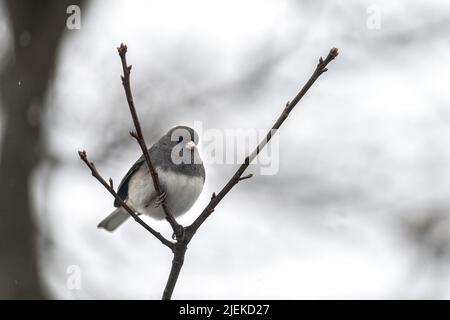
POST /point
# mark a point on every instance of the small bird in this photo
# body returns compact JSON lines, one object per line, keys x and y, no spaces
{"x":181,"y":175}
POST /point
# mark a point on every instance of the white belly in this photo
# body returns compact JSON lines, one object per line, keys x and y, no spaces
{"x":182,"y":192}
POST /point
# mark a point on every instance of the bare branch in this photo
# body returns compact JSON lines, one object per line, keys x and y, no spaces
{"x":177,"y":263}
{"x":140,"y":137}
{"x":96,"y":174}
{"x":185,"y":234}
{"x":180,"y":248}
{"x":320,"y":69}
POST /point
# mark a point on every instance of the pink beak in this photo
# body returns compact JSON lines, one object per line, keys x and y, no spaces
{"x":190,"y":145}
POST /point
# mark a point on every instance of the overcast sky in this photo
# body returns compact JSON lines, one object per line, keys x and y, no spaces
{"x":362,"y":160}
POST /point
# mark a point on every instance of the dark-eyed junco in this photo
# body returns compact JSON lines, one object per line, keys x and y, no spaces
{"x":181,"y":175}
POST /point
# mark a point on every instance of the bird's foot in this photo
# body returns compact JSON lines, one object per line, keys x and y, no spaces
{"x":161,"y":198}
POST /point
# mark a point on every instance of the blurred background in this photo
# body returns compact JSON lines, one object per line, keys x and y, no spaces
{"x":359,"y":207}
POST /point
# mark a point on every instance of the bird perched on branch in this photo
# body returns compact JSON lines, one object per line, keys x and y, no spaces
{"x":181,"y":175}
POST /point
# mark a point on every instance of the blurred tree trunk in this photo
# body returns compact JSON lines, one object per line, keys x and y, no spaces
{"x":37,"y":28}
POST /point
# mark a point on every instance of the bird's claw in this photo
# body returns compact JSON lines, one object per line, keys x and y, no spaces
{"x":161,"y":198}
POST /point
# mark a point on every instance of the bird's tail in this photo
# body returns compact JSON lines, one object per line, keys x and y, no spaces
{"x":114,"y":220}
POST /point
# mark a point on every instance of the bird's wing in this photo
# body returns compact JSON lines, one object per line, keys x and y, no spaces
{"x":122,"y":191}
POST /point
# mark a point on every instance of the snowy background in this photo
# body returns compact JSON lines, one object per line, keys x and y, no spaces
{"x":359,"y":207}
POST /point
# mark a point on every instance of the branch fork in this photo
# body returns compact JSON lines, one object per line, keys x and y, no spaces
{"x":183,"y":235}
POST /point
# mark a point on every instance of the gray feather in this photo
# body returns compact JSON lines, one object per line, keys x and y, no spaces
{"x":114,"y":220}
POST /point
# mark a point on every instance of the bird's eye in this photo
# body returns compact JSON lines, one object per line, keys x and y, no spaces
{"x":180,"y":138}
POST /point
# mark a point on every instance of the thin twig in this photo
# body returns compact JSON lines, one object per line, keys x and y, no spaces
{"x":320,"y":69}
{"x":109,"y":187}
{"x":140,"y":137}
{"x":248,"y":176}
